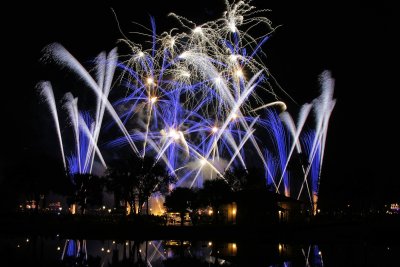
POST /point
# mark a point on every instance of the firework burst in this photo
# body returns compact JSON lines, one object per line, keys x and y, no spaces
{"x":200,"y":99}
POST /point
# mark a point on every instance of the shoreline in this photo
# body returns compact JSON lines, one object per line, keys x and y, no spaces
{"x":380,"y":229}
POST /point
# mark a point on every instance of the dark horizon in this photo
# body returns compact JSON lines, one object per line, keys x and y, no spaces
{"x":354,"y":41}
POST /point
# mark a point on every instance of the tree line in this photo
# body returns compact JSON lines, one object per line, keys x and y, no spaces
{"x":131,"y":180}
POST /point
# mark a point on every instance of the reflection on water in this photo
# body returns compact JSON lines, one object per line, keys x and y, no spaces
{"x":56,"y":251}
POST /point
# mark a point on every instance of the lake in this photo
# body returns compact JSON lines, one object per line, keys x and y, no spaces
{"x":61,"y":251}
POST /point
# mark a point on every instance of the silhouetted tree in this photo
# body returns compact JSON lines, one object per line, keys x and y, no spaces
{"x":152,"y":177}
{"x":121,"y":181}
{"x":180,"y":200}
{"x":239,"y":179}
{"x":215,"y":193}
{"x":236,"y":179}
{"x":88,"y":190}
{"x":135,"y":179}
{"x":39,"y":175}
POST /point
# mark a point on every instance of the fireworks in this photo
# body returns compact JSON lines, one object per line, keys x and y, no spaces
{"x":199,"y":100}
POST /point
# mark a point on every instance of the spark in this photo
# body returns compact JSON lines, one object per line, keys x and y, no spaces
{"x":46,"y":91}
{"x":239,"y":73}
{"x":198,"y":30}
{"x":153,"y":99}
{"x":150,"y":81}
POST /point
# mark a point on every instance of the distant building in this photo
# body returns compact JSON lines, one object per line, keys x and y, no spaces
{"x":29,"y":205}
{"x":252,"y":206}
{"x":258,"y":206}
{"x":394,"y":208}
{"x":55,"y":206}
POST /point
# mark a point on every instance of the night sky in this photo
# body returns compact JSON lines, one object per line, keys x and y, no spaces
{"x":354,"y":41}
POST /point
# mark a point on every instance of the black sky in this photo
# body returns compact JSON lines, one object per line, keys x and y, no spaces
{"x":355,"y":41}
